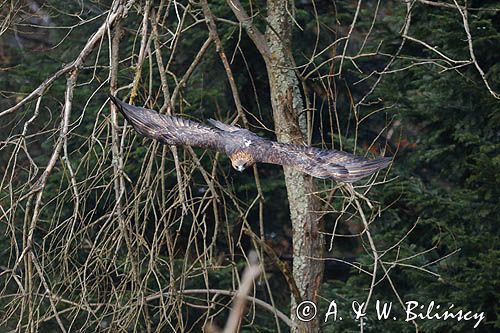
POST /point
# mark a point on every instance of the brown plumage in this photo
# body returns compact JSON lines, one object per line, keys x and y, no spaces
{"x":245,"y":148}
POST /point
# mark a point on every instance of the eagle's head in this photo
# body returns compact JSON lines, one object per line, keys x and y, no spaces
{"x":241,"y":160}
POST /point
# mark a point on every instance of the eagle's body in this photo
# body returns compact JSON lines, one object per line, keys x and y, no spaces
{"x":245,"y":148}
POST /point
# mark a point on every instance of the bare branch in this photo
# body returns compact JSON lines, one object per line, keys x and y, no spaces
{"x":246,"y":22}
{"x":463,"y":13}
{"x":116,"y":12}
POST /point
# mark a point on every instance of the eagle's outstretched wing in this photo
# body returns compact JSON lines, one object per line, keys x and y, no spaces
{"x":244,"y":146}
{"x":169,"y":129}
{"x":321,"y":163}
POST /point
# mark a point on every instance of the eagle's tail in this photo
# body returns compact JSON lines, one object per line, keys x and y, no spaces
{"x":360,"y":169}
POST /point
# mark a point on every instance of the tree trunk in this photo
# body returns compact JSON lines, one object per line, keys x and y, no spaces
{"x":308,"y":242}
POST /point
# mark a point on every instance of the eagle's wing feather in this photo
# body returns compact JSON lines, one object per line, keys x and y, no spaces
{"x":169,"y":129}
{"x":317,"y":162}
{"x":321,"y":163}
{"x":224,"y":127}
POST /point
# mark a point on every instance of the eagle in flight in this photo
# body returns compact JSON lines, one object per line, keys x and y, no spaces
{"x":245,"y":148}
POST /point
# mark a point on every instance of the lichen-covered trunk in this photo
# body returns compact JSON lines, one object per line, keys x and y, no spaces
{"x":287,"y":105}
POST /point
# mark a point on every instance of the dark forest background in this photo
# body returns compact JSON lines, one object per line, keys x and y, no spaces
{"x":441,"y":124}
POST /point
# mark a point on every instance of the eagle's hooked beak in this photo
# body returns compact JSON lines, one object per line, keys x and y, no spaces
{"x":239,"y":165}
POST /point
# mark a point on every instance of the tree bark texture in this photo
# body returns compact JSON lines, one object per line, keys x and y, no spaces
{"x":290,"y":126}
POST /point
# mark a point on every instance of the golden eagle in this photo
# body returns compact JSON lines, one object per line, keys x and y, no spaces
{"x":245,"y":148}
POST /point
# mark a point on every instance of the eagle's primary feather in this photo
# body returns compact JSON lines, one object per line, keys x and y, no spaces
{"x":244,"y":148}
{"x":170,"y":130}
